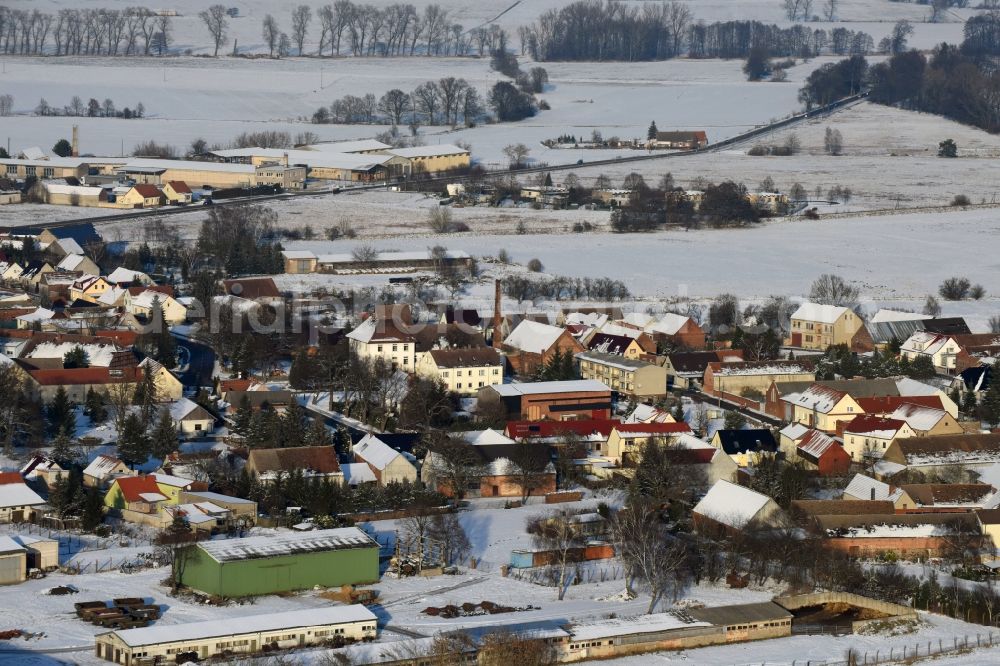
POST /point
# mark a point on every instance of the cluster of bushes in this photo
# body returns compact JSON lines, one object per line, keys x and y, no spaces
{"x":791,"y":146}
{"x":563,"y":288}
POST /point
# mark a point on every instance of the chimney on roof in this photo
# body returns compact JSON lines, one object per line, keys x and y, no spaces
{"x":873,"y":493}
{"x":75,"y":152}
{"x":284,"y":159}
{"x":497,"y":316}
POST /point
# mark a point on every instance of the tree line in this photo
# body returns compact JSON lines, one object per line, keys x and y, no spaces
{"x":592,"y":30}
{"x":113,"y":32}
{"x":91,"y":109}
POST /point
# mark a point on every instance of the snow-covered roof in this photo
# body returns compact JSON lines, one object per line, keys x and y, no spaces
{"x":885,"y":315}
{"x":597,"y":319}
{"x":8,"y":545}
{"x":170,"y":480}
{"x":887,"y":468}
{"x":138,"y":164}
{"x":825,"y":314}
{"x":861,"y":488}
{"x":817,"y":398}
{"x":235,"y":626}
{"x":34,"y":153}
{"x":534,"y":388}
{"x":146,"y":299}
{"x":70,"y":262}
{"x":153,"y":497}
{"x":122,"y":274}
{"x":357,"y":473}
{"x":640,"y":319}
{"x":669,"y":324}
{"x":99,"y":354}
{"x":374,"y":451}
{"x":68,"y":245}
{"x":209,"y":496}
{"x":816,"y":443}
{"x":101,"y":466}
{"x":356,"y":146}
{"x":39,"y":314}
{"x":918,"y":417}
{"x":18,"y":494}
{"x":112,"y":296}
{"x":198,"y":512}
{"x":227,"y":550}
{"x":731,"y":504}
{"x":370,"y":330}
{"x":924,"y":342}
{"x":626,"y":626}
{"x":486,"y":437}
{"x":428,"y":151}
{"x":794,"y":431}
{"x":532,"y":336}
{"x":181,"y":408}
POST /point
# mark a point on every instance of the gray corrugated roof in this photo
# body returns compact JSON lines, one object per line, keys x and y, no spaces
{"x":739,"y":614}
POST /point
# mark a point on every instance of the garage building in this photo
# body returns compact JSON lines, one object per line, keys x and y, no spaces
{"x":295,"y":561}
{"x":240,"y":635}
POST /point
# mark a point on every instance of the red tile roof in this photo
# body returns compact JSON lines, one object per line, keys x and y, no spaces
{"x":159,"y":288}
{"x":147,"y":191}
{"x":78,"y":376}
{"x":133,"y":486}
{"x":862,"y":424}
{"x":10,"y":477}
{"x":179,"y":186}
{"x":227,"y":385}
{"x":656,"y":428}
{"x":887,"y":404}
{"x":252,"y":288}
{"x":527,"y":429}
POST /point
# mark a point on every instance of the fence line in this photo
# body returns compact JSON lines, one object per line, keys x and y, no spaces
{"x":900,"y":655}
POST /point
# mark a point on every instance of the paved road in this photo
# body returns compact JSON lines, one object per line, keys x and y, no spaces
{"x":201,"y":364}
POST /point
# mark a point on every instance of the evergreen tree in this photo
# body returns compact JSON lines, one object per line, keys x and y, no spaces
{"x":164,"y":438}
{"x":970,"y":403}
{"x":922,"y":368}
{"x":678,"y":412}
{"x":990,"y":405}
{"x":299,"y":373}
{"x":133,"y":445}
{"x":651,"y":132}
{"x":76,"y":358}
{"x":146,"y":398}
{"x":318,"y":434}
{"x":242,"y":418}
{"x":293,"y":426}
{"x":94,"y":407}
{"x":59,"y":414}
{"x":166,"y":345}
{"x":93,"y":511}
{"x":956,"y":396}
{"x":62,"y":451}
{"x":59,"y":496}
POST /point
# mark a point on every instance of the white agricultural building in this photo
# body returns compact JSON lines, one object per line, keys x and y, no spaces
{"x":240,"y":635}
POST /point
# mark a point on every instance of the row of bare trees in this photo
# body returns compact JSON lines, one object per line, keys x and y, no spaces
{"x":115,"y":32}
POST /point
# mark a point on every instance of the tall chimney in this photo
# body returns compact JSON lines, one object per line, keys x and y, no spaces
{"x":76,"y":141}
{"x":497,"y":316}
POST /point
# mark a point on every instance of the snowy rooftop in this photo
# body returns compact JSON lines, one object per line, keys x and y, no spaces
{"x":428,"y":151}
{"x":625,"y":626}
{"x":8,"y":545}
{"x":228,"y":550}
{"x":817,"y":398}
{"x":825,"y":314}
{"x":218,"y":497}
{"x":348,"y":146}
{"x":533,"y":336}
{"x":534,"y":388}
{"x":486,"y":437}
{"x":374,"y":451}
{"x":174,"y":481}
{"x":885,"y":315}
{"x":731,"y":504}
{"x":356,"y":473}
{"x":794,"y":431}
{"x":166,"y":633}
{"x":18,"y":494}
{"x":669,"y":324}
{"x":99,"y":355}
{"x":861,"y":488}
{"x":122,"y":274}
{"x":918,"y":417}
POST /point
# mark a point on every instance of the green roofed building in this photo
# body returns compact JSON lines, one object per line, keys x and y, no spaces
{"x":282,"y":563}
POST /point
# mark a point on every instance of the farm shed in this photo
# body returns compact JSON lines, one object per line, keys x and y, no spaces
{"x":241,"y":635}
{"x":295,"y":561}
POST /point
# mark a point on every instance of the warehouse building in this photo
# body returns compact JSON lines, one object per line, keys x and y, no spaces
{"x":296,"y":561}
{"x":239,"y":635}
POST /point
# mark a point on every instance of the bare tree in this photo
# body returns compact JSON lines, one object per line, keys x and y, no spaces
{"x":215,"y":21}
{"x":516,"y":153}
{"x":270,"y":32}
{"x":503,"y":648}
{"x":394,"y":104}
{"x":830,"y":9}
{"x":447,"y":532}
{"x":650,"y":554}
{"x":301,"y":16}
{"x":455,"y":465}
{"x":830,"y":289}
{"x":416,"y":532}
{"x":557,"y":534}
{"x":530,"y":466}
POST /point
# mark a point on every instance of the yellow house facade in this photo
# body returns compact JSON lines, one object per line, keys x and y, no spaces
{"x":817,"y":326}
{"x":141,"y":195}
{"x":871,"y":436}
{"x":89,"y":289}
{"x":635,"y":378}
{"x":822,"y":408}
{"x":463,"y":371}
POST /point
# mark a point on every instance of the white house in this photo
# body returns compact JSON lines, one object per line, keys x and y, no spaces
{"x":387,"y":464}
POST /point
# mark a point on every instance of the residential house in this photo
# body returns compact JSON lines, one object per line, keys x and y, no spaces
{"x":746,"y":447}
{"x":558,"y":401}
{"x":728,"y":507}
{"x":386,"y":335}
{"x":951,"y":353}
{"x":177,"y":192}
{"x":952,"y":497}
{"x":238,"y":507}
{"x":36,"y":319}
{"x":876,"y":397}
{"x":79,"y":263}
{"x":141,"y":195}
{"x":636,"y":378}
{"x":44,"y":384}
{"x":202,"y":517}
{"x":753,"y":378}
{"x":190,"y":419}
{"x":533,"y":344}
{"x":626,"y":440}
{"x":886,"y":406}
{"x":168,"y":386}
{"x":44,"y":469}
{"x":680,"y":140}
{"x":822,"y":407}
{"x":126,"y":277}
{"x":868,"y":437}
{"x":863,"y":487}
{"x":926,"y":421}
{"x":945,"y":453}
{"x":131,"y":495}
{"x":102,"y":470}
{"x":89,"y":288}
{"x":989,"y":526}
{"x":621,"y":345}
{"x":18,"y":502}
{"x":812,"y":509}
{"x":687,"y":369}
{"x":312,"y":461}
{"x":819,"y":451}
{"x":387,"y":464}
{"x":817,"y":326}
{"x":916,"y":536}
{"x":257,"y":289}
{"x":679,"y":332}
{"x":12,"y":272}
{"x":789,"y":438}
{"x":463,"y":371}
{"x":34,"y":271}
{"x":142,"y":305}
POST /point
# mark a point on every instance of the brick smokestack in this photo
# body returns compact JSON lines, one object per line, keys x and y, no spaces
{"x":75,"y":152}
{"x":497,"y":316}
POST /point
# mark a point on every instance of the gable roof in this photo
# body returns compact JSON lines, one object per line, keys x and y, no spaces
{"x":949,"y":449}
{"x":375,"y":452}
{"x":864,"y":487}
{"x":179,"y":186}
{"x":815,"y":445}
{"x":138,"y":488}
{"x":919,"y":417}
{"x":252,"y":288}
{"x":731,"y":504}
{"x":944,"y":494}
{"x":873,"y":425}
{"x":816,"y":398}
{"x":887,"y":404}
{"x":102,"y":466}
{"x":315,"y":459}
{"x":147,"y":191}
{"x":743,"y":441}
{"x":947,"y":326}
{"x":374,"y":329}
{"x":825,"y":314}
{"x":533,"y":336}
{"x":605,"y":343}
{"x":15,"y":492}
{"x":465,"y":358}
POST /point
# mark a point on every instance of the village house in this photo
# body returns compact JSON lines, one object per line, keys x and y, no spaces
{"x":822,"y":407}
{"x":914,"y":536}
{"x":810,"y":510}
{"x":558,"y":401}
{"x":44,"y":384}
{"x":822,"y":453}
{"x":728,"y":507}
{"x":79,"y":263}
{"x":102,"y":470}
{"x":144,"y":303}
{"x":951,"y":497}
{"x":867,"y":437}
{"x":745,"y":447}
{"x":752,"y":378}
{"x":875,"y":397}
{"x":170,"y":388}
{"x":533,"y":344}
{"x":941,"y":454}
{"x":680,"y":140}
{"x":177,"y":192}
{"x":498,"y":475}
{"x":311,"y":461}
{"x":43,"y":469}
{"x":384,"y":335}
{"x":89,"y":288}
{"x":141,"y":195}
{"x":387,"y":464}
{"x":626,"y":440}
{"x":863,"y":487}
{"x":816,"y":326}
{"x":635,"y":378}
{"x":190,"y":419}
{"x":671,"y":330}
{"x":463,"y":371}
{"x":926,"y":421}
{"x":621,"y":345}
{"x":126,"y":277}
{"x":18,"y":502}
{"x":687,"y":369}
